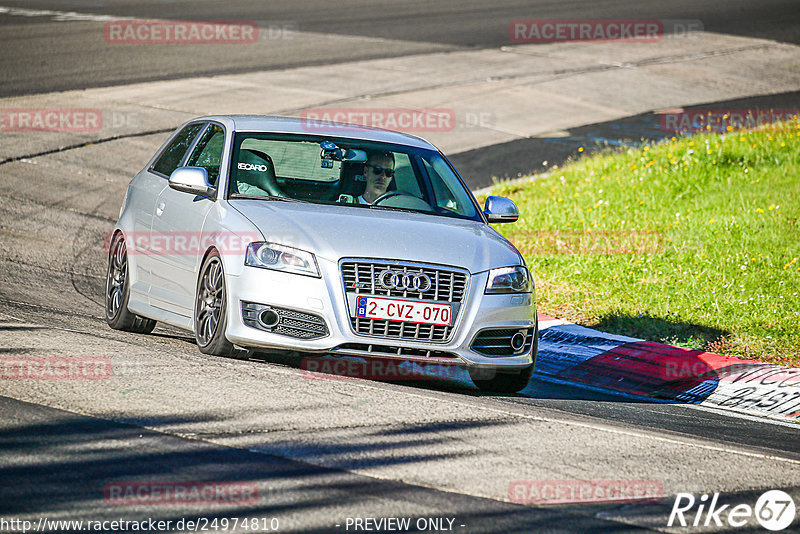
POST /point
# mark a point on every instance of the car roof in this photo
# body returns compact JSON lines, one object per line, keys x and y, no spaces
{"x":296,"y":125}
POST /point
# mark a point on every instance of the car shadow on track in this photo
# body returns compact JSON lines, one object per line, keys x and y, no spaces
{"x":661,"y":329}
{"x":431,"y":378}
{"x":436,"y":378}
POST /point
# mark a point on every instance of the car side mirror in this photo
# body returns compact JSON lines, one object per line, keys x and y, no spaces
{"x":500,"y":210}
{"x":192,"y":180}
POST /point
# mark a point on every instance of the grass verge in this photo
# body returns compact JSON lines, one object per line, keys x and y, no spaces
{"x":693,"y":242}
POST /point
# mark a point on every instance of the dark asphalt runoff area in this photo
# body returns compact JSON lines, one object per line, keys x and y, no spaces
{"x":42,"y":55}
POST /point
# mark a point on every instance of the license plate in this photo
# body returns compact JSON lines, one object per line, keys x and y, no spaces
{"x":407,"y":311}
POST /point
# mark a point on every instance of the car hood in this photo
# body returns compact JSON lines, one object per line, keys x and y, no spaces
{"x":334,"y":232}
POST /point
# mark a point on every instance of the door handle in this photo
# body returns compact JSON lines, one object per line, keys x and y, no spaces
{"x":160,"y":208}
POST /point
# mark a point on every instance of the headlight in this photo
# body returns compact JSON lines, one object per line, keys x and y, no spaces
{"x":509,"y":280}
{"x":281,"y":258}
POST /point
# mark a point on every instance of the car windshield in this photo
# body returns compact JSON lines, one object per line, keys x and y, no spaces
{"x":351,"y":172}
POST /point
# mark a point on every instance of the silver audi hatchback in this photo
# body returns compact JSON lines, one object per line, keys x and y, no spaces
{"x":272,"y":233}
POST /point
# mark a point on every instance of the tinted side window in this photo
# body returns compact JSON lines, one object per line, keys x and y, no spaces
{"x":173,"y":155}
{"x":208,"y":152}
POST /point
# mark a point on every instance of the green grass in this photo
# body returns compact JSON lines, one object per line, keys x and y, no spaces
{"x":693,"y":241}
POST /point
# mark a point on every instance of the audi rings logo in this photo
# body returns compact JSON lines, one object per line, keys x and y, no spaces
{"x":404,"y":281}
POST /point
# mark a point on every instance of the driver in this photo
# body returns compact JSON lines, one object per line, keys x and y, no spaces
{"x":379,"y":172}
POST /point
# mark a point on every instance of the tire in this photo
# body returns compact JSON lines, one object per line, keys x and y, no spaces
{"x":118,"y":316}
{"x":497,"y":381}
{"x":210,"y":309}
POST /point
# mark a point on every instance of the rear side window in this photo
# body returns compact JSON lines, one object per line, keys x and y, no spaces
{"x":172,"y":156}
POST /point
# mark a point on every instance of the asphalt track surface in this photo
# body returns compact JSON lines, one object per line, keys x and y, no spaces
{"x":60,"y":444}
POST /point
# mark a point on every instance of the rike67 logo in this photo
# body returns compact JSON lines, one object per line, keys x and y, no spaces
{"x":774,"y":510}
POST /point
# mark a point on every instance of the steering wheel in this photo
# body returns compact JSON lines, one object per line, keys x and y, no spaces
{"x":391,"y":194}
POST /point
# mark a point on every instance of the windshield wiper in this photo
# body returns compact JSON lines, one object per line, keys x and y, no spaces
{"x":395,"y":208}
{"x":264,"y":197}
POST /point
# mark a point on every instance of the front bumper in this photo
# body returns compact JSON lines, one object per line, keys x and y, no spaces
{"x":325,"y":297}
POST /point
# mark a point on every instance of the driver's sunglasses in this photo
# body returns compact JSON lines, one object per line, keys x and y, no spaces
{"x":378,"y":170}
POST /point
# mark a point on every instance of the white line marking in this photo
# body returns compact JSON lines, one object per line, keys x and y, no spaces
{"x":59,"y":16}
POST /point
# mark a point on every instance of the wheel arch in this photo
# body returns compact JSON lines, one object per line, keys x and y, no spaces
{"x":111,"y":236}
{"x":206,"y":254}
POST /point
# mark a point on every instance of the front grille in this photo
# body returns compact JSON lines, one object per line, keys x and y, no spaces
{"x":448,"y":285}
{"x":384,"y":350}
{"x":292,"y":323}
{"x":497,"y":342}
